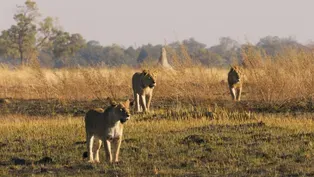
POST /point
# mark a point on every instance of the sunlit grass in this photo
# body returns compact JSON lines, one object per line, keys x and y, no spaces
{"x":265,"y":145}
{"x":193,"y":129}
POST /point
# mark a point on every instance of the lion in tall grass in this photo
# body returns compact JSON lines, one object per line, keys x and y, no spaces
{"x":106,"y":126}
{"x":235,"y":82}
{"x":143,"y":84}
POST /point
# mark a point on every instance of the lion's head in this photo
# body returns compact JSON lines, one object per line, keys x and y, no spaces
{"x":122,"y":109}
{"x":149,"y":78}
{"x":234,"y":74}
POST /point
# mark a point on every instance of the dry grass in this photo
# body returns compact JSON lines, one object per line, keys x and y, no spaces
{"x":93,"y":83}
{"x":280,"y":79}
{"x":275,"y":80}
{"x":178,"y":140}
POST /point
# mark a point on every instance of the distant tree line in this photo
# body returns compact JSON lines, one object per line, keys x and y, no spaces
{"x":42,"y":42}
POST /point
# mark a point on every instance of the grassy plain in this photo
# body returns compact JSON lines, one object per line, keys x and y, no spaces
{"x":194,"y":130}
{"x":260,"y":145}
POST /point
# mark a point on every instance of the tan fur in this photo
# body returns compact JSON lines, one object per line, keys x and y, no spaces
{"x":235,"y":81}
{"x":106,"y":127}
{"x":143,"y":85}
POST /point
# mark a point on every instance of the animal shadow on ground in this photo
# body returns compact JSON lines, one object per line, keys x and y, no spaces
{"x":19,"y":161}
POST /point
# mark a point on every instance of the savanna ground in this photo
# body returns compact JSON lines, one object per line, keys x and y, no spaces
{"x":193,"y":130}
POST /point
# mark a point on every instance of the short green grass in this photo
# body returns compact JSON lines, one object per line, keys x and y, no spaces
{"x":265,"y":145}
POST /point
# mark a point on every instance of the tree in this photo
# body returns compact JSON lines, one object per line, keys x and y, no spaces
{"x":93,"y":53}
{"x":26,"y":37}
{"x":148,"y":53}
{"x":142,"y":55}
{"x":228,"y":49}
{"x":274,"y":45}
{"x":193,"y":46}
{"x":210,"y":59}
{"x":131,"y":54}
{"x":66,"y":45}
{"x":114,"y":55}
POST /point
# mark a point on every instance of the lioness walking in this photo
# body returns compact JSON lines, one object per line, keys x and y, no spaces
{"x":235,"y":83}
{"x":106,"y":126}
{"x":143,"y":85}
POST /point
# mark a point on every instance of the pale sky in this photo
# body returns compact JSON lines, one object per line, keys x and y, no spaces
{"x":137,"y":22}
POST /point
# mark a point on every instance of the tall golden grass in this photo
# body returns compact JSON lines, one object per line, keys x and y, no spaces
{"x":273,"y":79}
{"x":94,"y":83}
{"x":280,"y":79}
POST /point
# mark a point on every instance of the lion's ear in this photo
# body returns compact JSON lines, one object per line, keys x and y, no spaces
{"x":145,"y":72}
{"x":112,"y":102}
{"x":234,"y":68}
{"x":128,"y":103}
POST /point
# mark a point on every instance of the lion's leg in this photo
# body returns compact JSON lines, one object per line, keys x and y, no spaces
{"x":108,"y":151}
{"x":239,"y":91}
{"x":141,"y":108}
{"x":149,"y":101}
{"x":143,"y":102}
{"x":232,"y":92}
{"x":97,"y":151}
{"x":116,"y":147}
{"x":90,"y":142}
{"x":137,"y":102}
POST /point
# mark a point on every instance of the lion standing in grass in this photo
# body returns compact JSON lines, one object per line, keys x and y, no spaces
{"x":106,"y":126}
{"x":143,"y":85}
{"x":235,"y":82}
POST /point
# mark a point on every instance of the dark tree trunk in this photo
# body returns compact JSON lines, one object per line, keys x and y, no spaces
{"x":21,"y":48}
{"x":22,"y":56}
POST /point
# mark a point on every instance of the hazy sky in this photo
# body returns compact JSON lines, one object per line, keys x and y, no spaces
{"x":137,"y":22}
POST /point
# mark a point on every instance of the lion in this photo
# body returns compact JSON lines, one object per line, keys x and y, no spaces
{"x":235,"y":82}
{"x":143,"y":84}
{"x":106,"y":126}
